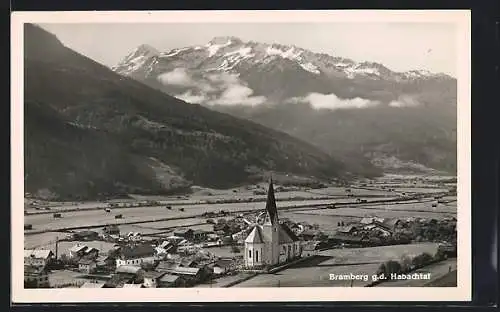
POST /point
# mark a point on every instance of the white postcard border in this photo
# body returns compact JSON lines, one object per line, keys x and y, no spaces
{"x":464,"y":273}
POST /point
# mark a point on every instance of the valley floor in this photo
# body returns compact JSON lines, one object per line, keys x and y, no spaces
{"x":388,"y":199}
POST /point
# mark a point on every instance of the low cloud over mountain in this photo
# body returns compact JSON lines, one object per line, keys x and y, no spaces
{"x":211,"y":89}
{"x":405,"y":101}
{"x":331,"y":101}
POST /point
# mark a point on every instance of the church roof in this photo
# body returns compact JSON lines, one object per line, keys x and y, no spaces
{"x":271,"y":204}
{"x":255,"y":236}
{"x":289,"y":232}
{"x":283,"y":237}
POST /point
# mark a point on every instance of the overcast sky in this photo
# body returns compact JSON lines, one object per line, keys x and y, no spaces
{"x":399,"y":46}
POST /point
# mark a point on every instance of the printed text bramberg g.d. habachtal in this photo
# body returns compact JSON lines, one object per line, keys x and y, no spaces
{"x":375,"y":277}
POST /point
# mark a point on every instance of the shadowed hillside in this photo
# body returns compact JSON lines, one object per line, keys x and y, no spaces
{"x":90,"y":132}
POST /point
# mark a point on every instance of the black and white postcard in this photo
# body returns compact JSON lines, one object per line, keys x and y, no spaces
{"x":241,"y":156}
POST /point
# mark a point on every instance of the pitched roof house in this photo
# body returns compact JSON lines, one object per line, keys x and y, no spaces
{"x":35,"y":277}
{"x":38,"y":257}
{"x":136,"y":255}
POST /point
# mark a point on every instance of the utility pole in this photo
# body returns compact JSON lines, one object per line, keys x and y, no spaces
{"x":57,"y":246}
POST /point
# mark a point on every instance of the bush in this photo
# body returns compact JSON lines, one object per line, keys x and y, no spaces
{"x":406,"y":263}
{"x":422,"y":260}
{"x":389,"y":267}
{"x":382,"y":270}
{"x":393,"y":267}
{"x":440,"y":255}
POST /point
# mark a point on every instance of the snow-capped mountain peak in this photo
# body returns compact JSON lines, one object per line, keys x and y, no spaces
{"x":291,"y":53}
{"x":136,"y":59}
{"x":231,"y":54}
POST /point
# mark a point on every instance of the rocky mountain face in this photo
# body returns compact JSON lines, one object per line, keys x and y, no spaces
{"x":361,"y":112}
{"x":92,"y":133}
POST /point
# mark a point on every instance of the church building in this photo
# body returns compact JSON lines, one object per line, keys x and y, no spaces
{"x":272,"y":242}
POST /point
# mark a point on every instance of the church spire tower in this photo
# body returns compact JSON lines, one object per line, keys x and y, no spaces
{"x":271,"y":209}
{"x":270,"y":228}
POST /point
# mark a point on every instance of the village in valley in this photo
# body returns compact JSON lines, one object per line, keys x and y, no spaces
{"x":242,"y":237}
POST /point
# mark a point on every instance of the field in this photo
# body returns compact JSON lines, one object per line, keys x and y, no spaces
{"x":399,"y":210}
{"x":38,"y":240}
{"x":358,"y":261}
{"x":148,"y":214}
{"x":47,"y":240}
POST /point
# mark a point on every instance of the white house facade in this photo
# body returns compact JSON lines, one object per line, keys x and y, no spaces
{"x":37,"y":257}
{"x":136,"y":256}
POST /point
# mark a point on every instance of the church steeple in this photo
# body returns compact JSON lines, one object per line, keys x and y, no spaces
{"x":272,"y":211}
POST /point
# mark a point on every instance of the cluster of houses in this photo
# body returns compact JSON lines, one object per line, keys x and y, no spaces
{"x":147,"y":266}
{"x":382,"y":231}
{"x":36,"y":263}
{"x":141,"y":265}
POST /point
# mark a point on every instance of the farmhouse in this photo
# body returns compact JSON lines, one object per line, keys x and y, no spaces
{"x":189,"y":274}
{"x":184,"y":233}
{"x":105,"y":262}
{"x":38,"y":257}
{"x":272,"y":242}
{"x":151,"y":279}
{"x":169,"y":280}
{"x":223,"y":266}
{"x":369,"y":220}
{"x":136,"y":255}
{"x":393,"y":223}
{"x":91,"y":253}
{"x":164,"y":248}
{"x":35,"y":277}
{"x":130,"y":272}
{"x":82,"y":251}
{"x":379,"y":227}
{"x":86,"y":236}
{"x":200,"y":235}
{"x":77,"y":251}
{"x":87,"y":265}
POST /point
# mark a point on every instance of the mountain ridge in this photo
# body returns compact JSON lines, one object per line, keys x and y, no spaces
{"x":219,"y":44}
{"x":267,"y":83}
